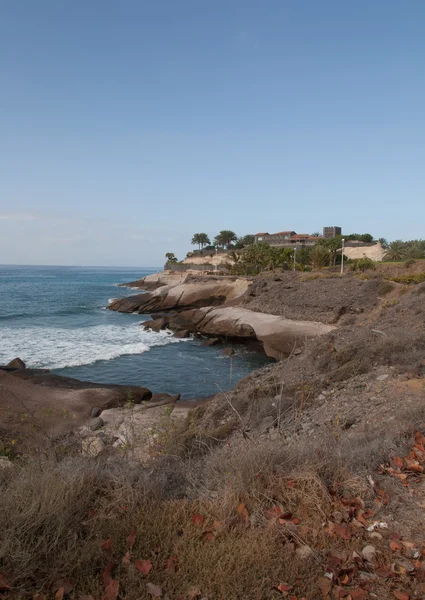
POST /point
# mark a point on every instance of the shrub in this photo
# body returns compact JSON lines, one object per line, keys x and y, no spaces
{"x":410,"y":278}
{"x":362,"y":264}
{"x":386,"y":288}
{"x":409,"y":262}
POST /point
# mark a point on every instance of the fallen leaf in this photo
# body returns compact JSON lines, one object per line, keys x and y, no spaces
{"x":60,"y":593}
{"x":40,"y":596}
{"x":66,"y":584}
{"x":398,"y":462}
{"x":395,"y":546}
{"x":291,"y":483}
{"x":126,"y":559}
{"x":273,"y":513}
{"x":401,"y":595}
{"x":208,"y":536}
{"x":358,"y":594}
{"x":242,"y":510}
{"x":107,"y":574}
{"x":198,"y":520}
{"x":131,"y":539}
{"x":325,"y":585}
{"x":384,"y":572}
{"x":144,"y":566}
{"x":106,"y":544}
{"x":111,"y":590}
{"x":342,"y":531}
{"x":284,"y":588}
{"x":154,"y":590}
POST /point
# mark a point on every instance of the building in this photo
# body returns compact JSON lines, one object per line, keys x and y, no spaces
{"x":289,"y":239}
{"x":331,"y":232}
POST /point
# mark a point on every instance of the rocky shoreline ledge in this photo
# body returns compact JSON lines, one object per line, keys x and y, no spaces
{"x":212,"y":306}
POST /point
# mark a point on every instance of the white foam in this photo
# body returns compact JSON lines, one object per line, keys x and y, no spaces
{"x":51,"y":348}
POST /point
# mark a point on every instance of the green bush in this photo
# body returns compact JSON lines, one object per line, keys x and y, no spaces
{"x":362,"y":264}
{"x":411,"y":278}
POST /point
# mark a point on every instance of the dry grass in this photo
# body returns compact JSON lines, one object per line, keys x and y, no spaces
{"x":55,"y":515}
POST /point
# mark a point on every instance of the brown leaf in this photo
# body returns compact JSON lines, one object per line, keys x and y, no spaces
{"x":324,"y":585}
{"x":342,"y":531}
{"x":60,"y":593}
{"x":384,"y":572}
{"x":40,"y":596}
{"x":107,"y":574}
{"x":131,"y":539}
{"x":401,"y":595}
{"x":273,"y":513}
{"x":126,"y":559}
{"x":106,"y":544}
{"x":358,"y":594}
{"x":243,"y":511}
{"x":111,"y":590}
{"x":398,"y":462}
{"x":198,"y":520}
{"x":395,"y":546}
{"x":144,"y":566}
{"x":154,"y":590}
{"x":208,"y":536}
{"x":284,"y":588}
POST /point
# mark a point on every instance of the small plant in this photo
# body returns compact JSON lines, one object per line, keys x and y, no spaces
{"x":389,"y":303}
{"x":129,"y":399}
{"x":414,"y":278}
{"x":386,"y":288}
{"x":409,"y":262}
{"x":362,"y":264}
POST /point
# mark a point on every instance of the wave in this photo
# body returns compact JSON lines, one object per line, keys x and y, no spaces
{"x":76,"y":310}
{"x":53,"y":348}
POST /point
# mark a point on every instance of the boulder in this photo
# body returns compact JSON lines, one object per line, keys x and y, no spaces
{"x":96,"y":423}
{"x":95,"y":412}
{"x":16,"y":363}
{"x":92,"y":446}
{"x":165,"y":398}
{"x":228,"y":352}
{"x":156,"y":324}
{"x":182,"y":334}
{"x":212,"y":342}
{"x":194,"y":292}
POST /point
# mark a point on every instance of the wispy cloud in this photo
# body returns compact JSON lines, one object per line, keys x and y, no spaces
{"x":17,"y":217}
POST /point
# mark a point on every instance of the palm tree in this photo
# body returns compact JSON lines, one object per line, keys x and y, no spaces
{"x":201,"y":239}
{"x":315,"y":234}
{"x":320,"y":256}
{"x":225,"y":237}
{"x":171,"y":258}
{"x":396,"y":251}
{"x":383,"y":242}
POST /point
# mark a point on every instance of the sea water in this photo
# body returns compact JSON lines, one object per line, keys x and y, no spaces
{"x":56,"y":318}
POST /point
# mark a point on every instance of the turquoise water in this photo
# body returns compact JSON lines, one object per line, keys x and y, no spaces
{"x":56,"y":318}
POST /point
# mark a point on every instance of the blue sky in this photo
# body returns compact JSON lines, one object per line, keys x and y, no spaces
{"x":127,"y":126}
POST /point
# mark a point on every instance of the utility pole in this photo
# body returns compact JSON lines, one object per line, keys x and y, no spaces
{"x":295,"y":256}
{"x":342,"y":256}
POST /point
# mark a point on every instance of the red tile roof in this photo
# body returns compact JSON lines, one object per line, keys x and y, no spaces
{"x":264,"y":233}
{"x":301,"y":236}
{"x":284,"y":233}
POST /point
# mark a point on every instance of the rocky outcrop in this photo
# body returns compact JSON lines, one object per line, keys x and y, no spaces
{"x":38,"y":404}
{"x":16,"y":363}
{"x":156,"y":280}
{"x":278,"y":335}
{"x":194,"y":292}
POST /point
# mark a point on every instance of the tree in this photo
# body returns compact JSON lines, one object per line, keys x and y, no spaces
{"x":320,"y":256}
{"x":225,"y":238}
{"x":171,"y":258}
{"x":315,"y":234}
{"x":383,"y":242}
{"x":246,"y":240}
{"x":396,"y":250}
{"x":201,"y":239}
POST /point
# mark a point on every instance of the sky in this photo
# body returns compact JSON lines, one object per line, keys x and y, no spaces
{"x":125,"y":127}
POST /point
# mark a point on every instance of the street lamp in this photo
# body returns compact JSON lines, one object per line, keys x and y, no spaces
{"x":342,"y":256}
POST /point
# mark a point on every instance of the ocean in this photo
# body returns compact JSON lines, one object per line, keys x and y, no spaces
{"x":55,"y":318}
